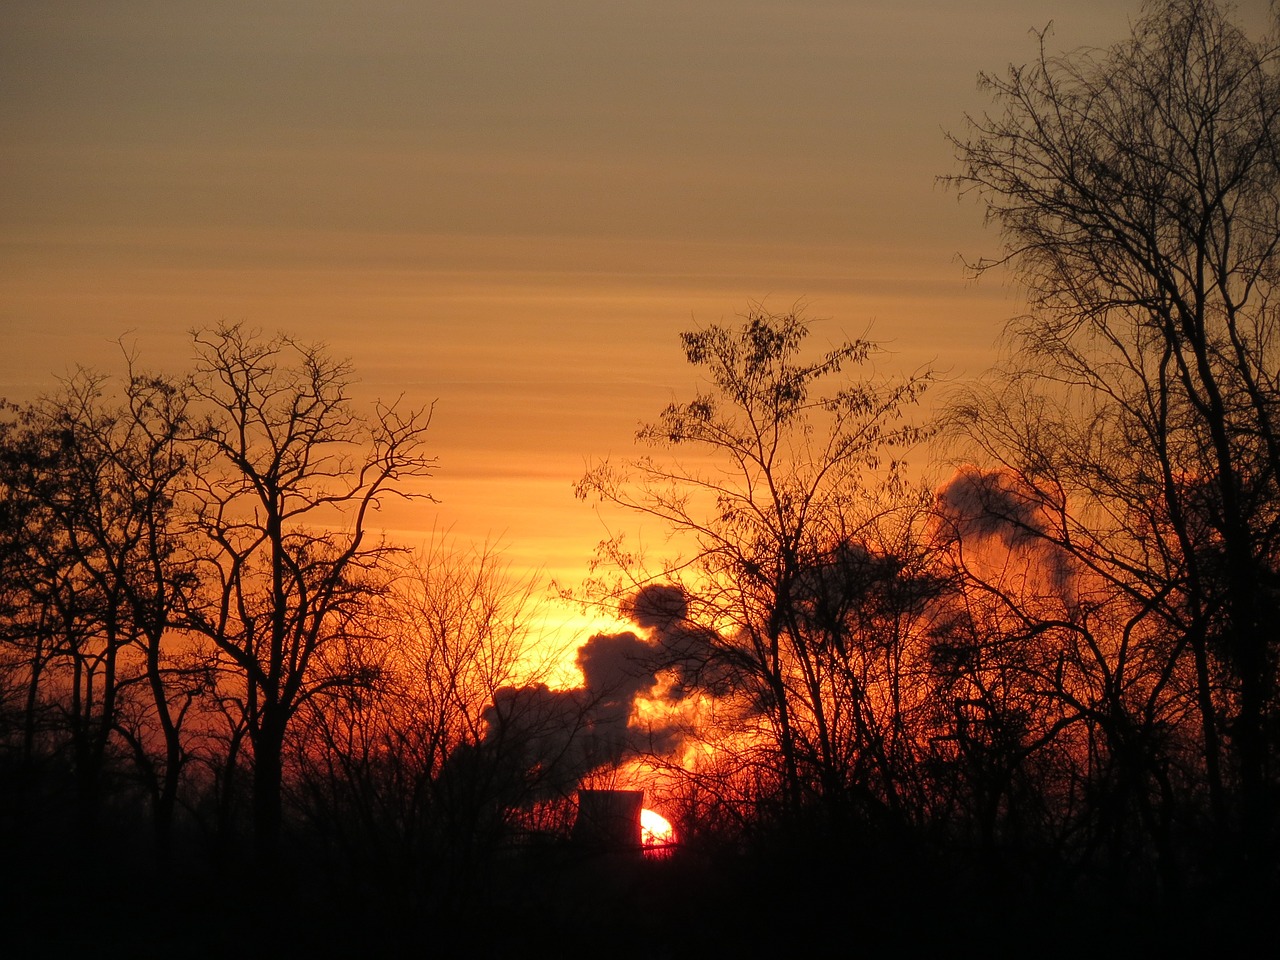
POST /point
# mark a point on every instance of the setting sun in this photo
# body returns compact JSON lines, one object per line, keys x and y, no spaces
{"x":655,"y":829}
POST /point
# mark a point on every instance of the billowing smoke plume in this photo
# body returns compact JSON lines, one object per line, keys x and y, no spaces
{"x":554,"y":738}
{"x":982,"y":506}
{"x":688,"y":653}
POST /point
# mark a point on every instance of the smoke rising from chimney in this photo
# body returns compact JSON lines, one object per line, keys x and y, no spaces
{"x":985,"y":506}
{"x":557,"y":737}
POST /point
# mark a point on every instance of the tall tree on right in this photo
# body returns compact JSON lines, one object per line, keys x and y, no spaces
{"x":1137,"y":190}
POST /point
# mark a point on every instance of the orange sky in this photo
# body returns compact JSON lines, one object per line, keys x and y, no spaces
{"x":508,"y":207}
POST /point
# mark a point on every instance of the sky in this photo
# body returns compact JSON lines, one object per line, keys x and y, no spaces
{"x":509,"y":208}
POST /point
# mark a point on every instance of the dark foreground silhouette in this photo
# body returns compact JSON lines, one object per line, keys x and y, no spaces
{"x":782,"y":892}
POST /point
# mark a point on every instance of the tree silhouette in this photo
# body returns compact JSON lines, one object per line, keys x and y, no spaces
{"x":390,"y":770}
{"x":290,"y":474}
{"x":1138,"y":194}
{"x":788,"y":515}
{"x":96,"y":571}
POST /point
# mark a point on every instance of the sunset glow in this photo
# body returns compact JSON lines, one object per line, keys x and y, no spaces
{"x":655,"y":829}
{"x":432,"y":432}
{"x":517,"y":236}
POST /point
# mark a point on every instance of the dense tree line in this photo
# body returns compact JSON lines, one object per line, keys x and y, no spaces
{"x":1055,"y":670}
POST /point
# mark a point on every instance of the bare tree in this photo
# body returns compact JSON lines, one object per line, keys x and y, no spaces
{"x":97,"y":570}
{"x":290,"y":477}
{"x":1138,"y":192}
{"x":391,"y":771}
{"x":795,"y":505}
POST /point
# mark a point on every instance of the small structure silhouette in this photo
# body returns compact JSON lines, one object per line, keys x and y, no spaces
{"x":609,"y":820}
